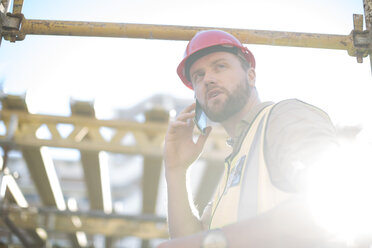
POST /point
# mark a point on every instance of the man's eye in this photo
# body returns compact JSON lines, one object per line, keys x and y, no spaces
{"x":198,"y":76}
{"x":221,"y":66}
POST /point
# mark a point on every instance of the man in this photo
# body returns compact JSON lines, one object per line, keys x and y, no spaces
{"x":260,"y":199}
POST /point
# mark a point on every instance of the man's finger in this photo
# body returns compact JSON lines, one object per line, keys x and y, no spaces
{"x":177,"y":124}
{"x":188,"y":108}
{"x":186,"y":116}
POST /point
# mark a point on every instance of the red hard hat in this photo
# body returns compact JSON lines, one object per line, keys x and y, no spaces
{"x":207,"y":39}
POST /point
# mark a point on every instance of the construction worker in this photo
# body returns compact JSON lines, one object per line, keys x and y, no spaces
{"x":260,"y":199}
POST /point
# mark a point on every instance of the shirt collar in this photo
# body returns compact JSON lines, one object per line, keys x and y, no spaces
{"x":244,"y":124}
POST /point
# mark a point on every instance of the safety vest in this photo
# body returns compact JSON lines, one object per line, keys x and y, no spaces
{"x":225,"y":208}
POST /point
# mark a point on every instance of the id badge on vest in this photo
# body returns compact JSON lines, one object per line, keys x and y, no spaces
{"x":236,"y":173}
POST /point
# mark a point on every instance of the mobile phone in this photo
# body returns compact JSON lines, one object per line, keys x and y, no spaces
{"x":200,"y":118}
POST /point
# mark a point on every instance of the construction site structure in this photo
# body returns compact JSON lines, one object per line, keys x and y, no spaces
{"x":31,"y":222}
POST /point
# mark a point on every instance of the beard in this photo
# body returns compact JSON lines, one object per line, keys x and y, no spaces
{"x":236,"y":100}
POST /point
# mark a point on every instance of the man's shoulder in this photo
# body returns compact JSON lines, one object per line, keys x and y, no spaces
{"x":296,"y":107}
{"x":294,"y":103}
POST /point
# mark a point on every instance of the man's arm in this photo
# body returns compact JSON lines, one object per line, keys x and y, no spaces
{"x":297,"y":137}
{"x":181,"y":218}
{"x":288,"y":225}
{"x":180,"y":152}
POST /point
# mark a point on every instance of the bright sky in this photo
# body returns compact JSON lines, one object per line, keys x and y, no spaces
{"x":118,"y":72}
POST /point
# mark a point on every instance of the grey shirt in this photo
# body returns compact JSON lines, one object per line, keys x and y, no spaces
{"x":295,"y":132}
{"x":296,"y":135}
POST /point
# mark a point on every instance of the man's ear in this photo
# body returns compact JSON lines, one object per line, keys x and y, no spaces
{"x":251,"y":74}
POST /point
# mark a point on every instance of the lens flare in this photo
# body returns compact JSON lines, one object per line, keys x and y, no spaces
{"x":340,"y":191}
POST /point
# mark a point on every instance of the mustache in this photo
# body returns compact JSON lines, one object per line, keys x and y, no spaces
{"x":219,"y":88}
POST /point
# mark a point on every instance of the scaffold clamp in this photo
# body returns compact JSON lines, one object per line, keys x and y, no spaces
{"x":10,"y":25}
{"x":361,"y":40}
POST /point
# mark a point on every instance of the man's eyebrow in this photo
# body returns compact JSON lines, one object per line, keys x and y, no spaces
{"x":213,"y":63}
{"x":218,"y":60}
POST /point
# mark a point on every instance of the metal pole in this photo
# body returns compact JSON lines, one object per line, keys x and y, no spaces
{"x":367,"y":4}
{"x":5,"y":5}
{"x":93,"y":222}
{"x":170,"y":32}
{"x":15,"y":230}
{"x":17,"y":6}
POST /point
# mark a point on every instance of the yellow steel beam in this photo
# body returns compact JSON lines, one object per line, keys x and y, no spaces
{"x":8,"y":184}
{"x":93,"y":222}
{"x":356,"y":43}
{"x":148,"y":137}
{"x":91,"y":165}
{"x":152,"y":170}
{"x":171,"y":32}
{"x":367,"y":4}
{"x":17,"y":6}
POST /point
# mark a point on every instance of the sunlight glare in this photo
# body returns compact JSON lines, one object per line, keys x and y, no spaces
{"x":340,"y":190}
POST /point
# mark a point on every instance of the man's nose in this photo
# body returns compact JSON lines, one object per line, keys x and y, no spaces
{"x":209,"y":78}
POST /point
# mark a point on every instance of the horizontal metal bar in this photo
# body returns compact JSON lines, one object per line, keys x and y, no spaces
{"x":171,"y":32}
{"x":210,"y":153}
{"x":93,"y":222}
{"x":25,"y":117}
{"x":101,"y":214}
{"x":148,"y":136}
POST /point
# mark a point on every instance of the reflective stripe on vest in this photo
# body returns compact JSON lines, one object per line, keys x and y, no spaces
{"x":225,"y":208}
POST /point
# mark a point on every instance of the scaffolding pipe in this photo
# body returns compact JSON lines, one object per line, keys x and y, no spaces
{"x":17,"y":6}
{"x":5,"y":5}
{"x":367,"y":5}
{"x":92,"y":222}
{"x":171,"y":32}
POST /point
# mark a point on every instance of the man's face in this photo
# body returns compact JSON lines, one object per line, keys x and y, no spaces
{"x":220,"y":84}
